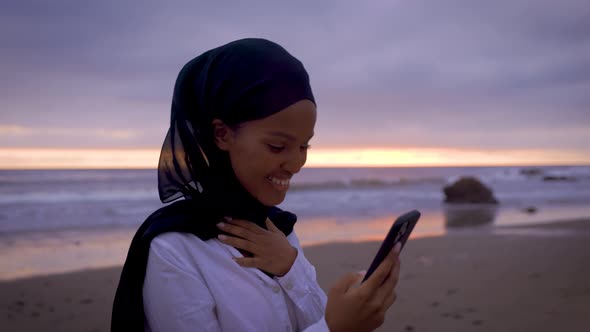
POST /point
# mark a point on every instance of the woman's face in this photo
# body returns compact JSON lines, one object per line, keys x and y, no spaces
{"x":266,"y":153}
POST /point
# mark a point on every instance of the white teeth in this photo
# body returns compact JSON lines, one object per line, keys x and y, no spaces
{"x":278,"y":182}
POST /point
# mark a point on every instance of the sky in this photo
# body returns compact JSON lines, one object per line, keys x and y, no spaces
{"x":398,"y":83}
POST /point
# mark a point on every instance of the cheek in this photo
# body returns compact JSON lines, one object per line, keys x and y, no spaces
{"x":251,"y":165}
{"x":251,"y":168}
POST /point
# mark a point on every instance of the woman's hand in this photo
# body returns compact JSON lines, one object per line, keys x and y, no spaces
{"x":270,"y":248}
{"x":353,"y":307}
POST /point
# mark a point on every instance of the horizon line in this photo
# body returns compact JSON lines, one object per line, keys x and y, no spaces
{"x":75,"y":159}
{"x":310,"y":167}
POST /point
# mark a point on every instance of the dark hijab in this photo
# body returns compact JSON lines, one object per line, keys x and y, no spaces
{"x":245,"y":80}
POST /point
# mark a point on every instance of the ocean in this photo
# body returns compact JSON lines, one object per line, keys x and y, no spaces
{"x":60,"y":220}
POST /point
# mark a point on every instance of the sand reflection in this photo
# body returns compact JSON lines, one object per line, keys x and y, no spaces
{"x":323,"y":230}
{"x":470,"y":215}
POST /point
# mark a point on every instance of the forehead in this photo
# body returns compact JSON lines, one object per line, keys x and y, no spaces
{"x":297,"y":120}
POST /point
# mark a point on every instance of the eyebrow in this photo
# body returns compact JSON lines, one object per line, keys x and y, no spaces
{"x":285,"y":135}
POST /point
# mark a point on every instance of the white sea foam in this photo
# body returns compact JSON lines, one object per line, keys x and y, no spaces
{"x":77,"y":196}
{"x":38,"y":200}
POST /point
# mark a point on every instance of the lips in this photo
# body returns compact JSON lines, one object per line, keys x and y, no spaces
{"x":278,"y":181}
{"x":280,"y":184}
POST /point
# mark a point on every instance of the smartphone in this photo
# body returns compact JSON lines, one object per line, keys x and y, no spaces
{"x":399,"y":232}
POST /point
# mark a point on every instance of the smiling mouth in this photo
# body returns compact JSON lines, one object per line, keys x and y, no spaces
{"x":278,"y":183}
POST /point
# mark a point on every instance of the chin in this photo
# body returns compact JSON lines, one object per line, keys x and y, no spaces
{"x":272,"y":200}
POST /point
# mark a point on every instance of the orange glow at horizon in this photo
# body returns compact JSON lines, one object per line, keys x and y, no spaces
{"x":385,"y":157}
{"x":41,"y":158}
{"x":37,"y":158}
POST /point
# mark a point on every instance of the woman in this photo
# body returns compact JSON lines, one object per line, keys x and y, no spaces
{"x":224,"y":258}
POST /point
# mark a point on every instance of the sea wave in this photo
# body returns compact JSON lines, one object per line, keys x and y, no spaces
{"x":365,"y":183}
{"x":71,"y":196}
{"x":55,"y":177}
{"x":564,"y":173}
{"x":528,"y":174}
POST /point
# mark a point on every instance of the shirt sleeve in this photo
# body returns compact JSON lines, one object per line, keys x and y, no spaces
{"x":173,"y":298}
{"x":301,"y":286}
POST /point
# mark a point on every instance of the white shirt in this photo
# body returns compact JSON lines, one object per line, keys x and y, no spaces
{"x":195,"y":285}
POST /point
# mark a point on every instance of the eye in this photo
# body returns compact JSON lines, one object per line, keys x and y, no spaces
{"x":305,"y":147}
{"x":276,"y":148}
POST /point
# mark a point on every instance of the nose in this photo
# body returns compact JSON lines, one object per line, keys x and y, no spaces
{"x":295,"y":161}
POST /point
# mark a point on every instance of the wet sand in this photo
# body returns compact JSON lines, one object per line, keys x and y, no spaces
{"x":519,"y":281}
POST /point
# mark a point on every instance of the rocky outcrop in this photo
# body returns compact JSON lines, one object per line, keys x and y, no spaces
{"x":469,"y":190}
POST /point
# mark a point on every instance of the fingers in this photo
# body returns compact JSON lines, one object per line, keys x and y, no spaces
{"x":384,"y":269}
{"x":246,"y":224}
{"x":239,"y":243}
{"x":240,"y":228}
{"x":388,"y":286}
{"x":346,"y":282}
{"x":389,"y":301}
{"x":270,"y":226}
{"x":397,"y":249}
{"x":254,"y":262}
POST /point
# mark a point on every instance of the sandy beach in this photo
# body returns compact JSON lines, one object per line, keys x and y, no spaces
{"x":519,"y":279}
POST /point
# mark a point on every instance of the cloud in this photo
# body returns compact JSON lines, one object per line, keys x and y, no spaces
{"x":454,"y":72}
{"x":33,"y":158}
{"x":8,"y":130}
{"x":21,"y":136}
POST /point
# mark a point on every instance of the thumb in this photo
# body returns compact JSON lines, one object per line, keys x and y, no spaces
{"x":346,"y":282}
{"x":270,"y":226}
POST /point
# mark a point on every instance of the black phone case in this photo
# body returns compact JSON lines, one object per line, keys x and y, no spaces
{"x":400,"y":231}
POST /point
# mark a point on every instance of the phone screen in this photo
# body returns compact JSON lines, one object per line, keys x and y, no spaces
{"x":400,"y":232}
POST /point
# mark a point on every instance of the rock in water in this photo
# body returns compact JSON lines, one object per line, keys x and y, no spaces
{"x":469,"y":190}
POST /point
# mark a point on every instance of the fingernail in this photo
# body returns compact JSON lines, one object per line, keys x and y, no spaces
{"x":221,"y":225}
{"x":362,"y":273}
{"x":227,"y":218}
{"x":397,"y":248}
{"x":221,"y":237}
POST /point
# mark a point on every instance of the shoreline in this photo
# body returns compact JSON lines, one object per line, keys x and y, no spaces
{"x":25,"y":253}
{"x":477,"y":282}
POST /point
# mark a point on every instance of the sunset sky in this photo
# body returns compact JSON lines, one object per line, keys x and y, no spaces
{"x":398,"y":83}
